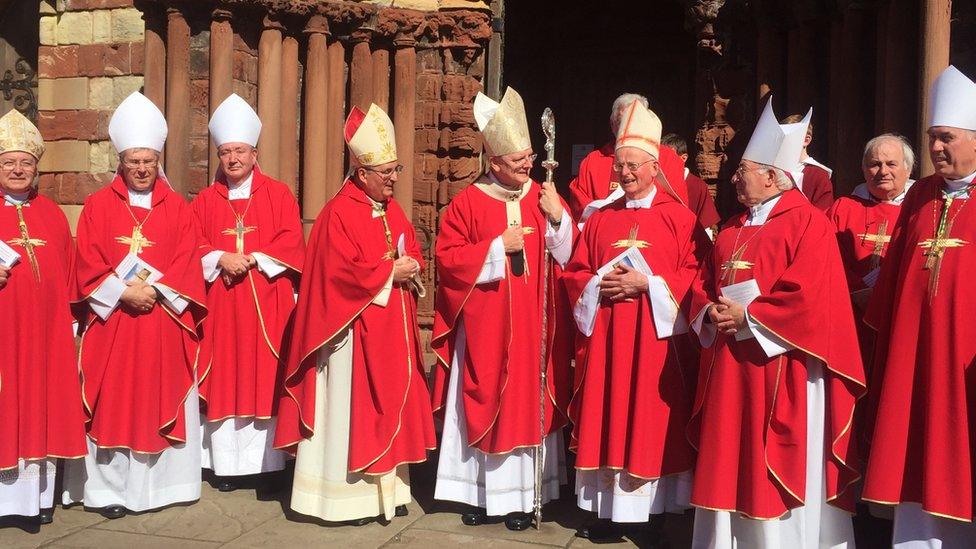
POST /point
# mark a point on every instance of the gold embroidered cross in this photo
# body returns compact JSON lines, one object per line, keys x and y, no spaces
{"x":734,"y":264}
{"x":631,"y":240}
{"x":25,"y":241}
{"x":879,"y":239}
{"x":935,"y":248}
{"x":136,"y":242}
{"x":238,"y":232}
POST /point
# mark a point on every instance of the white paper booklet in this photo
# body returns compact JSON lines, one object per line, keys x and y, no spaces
{"x":630,"y":257}
{"x":134,"y":267}
{"x":743,"y":293}
{"x":8,"y":257}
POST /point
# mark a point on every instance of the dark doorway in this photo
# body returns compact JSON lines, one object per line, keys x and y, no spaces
{"x":19,"y":40}
{"x":578,"y":59}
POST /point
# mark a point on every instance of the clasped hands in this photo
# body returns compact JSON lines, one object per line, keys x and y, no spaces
{"x":405,"y":268}
{"x":138,"y":296}
{"x":4,"y":276}
{"x":234,"y":266}
{"x":623,"y":283}
{"x":728,"y":316}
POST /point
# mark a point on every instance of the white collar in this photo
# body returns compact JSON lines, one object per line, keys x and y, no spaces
{"x":687,"y":171}
{"x":862,"y":192}
{"x":642,"y":203}
{"x":11,"y":199}
{"x":956,"y":185}
{"x":760,"y":212}
{"x":814,"y":162}
{"x":242,"y":190}
{"x":140,"y":199}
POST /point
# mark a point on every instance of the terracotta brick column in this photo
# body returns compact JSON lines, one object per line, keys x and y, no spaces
{"x":935,"y":15}
{"x":221,"y":67}
{"x":404,"y":116}
{"x":269,"y":95}
{"x":335,"y":115}
{"x":177,"y":99}
{"x":315,"y":122}
{"x":288,"y":147}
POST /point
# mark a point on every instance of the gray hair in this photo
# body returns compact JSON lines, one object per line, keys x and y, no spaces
{"x":621,"y":102}
{"x":906,"y":148}
{"x":783,"y":181}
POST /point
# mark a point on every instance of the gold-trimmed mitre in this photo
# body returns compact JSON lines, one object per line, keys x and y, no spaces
{"x":370,"y":136}
{"x":17,"y":134}
{"x":640,"y":128}
{"x":503,"y":124}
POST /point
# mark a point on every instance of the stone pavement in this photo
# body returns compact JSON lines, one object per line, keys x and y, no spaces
{"x":254,"y":517}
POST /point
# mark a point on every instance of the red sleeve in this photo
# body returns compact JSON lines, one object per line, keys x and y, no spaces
{"x":287,"y":246}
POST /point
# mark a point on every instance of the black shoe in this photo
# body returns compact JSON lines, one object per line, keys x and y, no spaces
{"x":474,"y":518}
{"x":360,"y":521}
{"x":401,"y":511}
{"x":46,"y":516}
{"x":517,"y":522}
{"x":225,"y":485}
{"x":112,"y":511}
{"x":600,"y":530}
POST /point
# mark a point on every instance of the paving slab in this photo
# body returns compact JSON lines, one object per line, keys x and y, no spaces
{"x":101,"y":539}
{"x":413,"y":538}
{"x":15,"y":535}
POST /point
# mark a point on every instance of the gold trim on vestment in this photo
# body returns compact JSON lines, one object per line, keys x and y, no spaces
{"x":922,"y":505}
{"x":257,"y":305}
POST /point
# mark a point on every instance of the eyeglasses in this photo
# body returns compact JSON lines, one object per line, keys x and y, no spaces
{"x":631,"y":166}
{"x":741,"y":173}
{"x":528,"y":159}
{"x":135,"y":164}
{"x":386,"y":174}
{"x":11,"y":165}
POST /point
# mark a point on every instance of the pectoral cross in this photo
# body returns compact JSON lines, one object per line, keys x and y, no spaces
{"x":935,"y":248}
{"x":879,"y":239}
{"x":28,"y":243}
{"x":734,"y":264}
{"x":631,"y":240}
{"x":136,"y":242}
{"x":238,"y":232}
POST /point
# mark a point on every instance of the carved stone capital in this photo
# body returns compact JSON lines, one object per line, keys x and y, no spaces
{"x":399,"y":25}
{"x":317,"y":24}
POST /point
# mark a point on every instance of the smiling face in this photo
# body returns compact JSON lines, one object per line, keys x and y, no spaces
{"x":237,"y":160}
{"x":636,"y":183}
{"x":885,"y":170}
{"x":17,"y":172}
{"x":139,"y":168}
{"x":512,"y":170}
{"x":953,"y":151}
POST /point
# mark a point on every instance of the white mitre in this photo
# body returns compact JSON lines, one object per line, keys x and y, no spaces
{"x":234,"y":121}
{"x":370,"y":136}
{"x":953,"y":101}
{"x":776,"y":144}
{"x":503,"y":124}
{"x":639,"y":128}
{"x":137,"y":123}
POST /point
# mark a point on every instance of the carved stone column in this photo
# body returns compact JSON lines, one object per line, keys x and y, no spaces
{"x":269,"y":94}
{"x":335,"y":145}
{"x":221,"y":67}
{"x":288,"y":127}
{"x":154,"y":65}
{"x":404,"y":115}
{"x":381,"y":77}
{"x":361,"y":69}
{"x":934,"y":41}
{"x":315,"y":119}
{"x":177,"y":99}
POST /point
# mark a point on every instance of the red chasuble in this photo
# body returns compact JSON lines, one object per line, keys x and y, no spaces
{"x":40,"y":393}
{"x":503,"y":322}
{"x":923,"y":445}
{"x":700,"y":201}
{"x":349,"y":262}
{"x":633,"y":392}
{"x":749,"y":421}
{"x":138,"y":368}
{"x":817,"y":186}
{"x":595,"y":181}
{"x":241,"y":346}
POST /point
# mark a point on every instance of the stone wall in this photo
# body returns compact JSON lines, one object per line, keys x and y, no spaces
{"x":90,"y":58}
